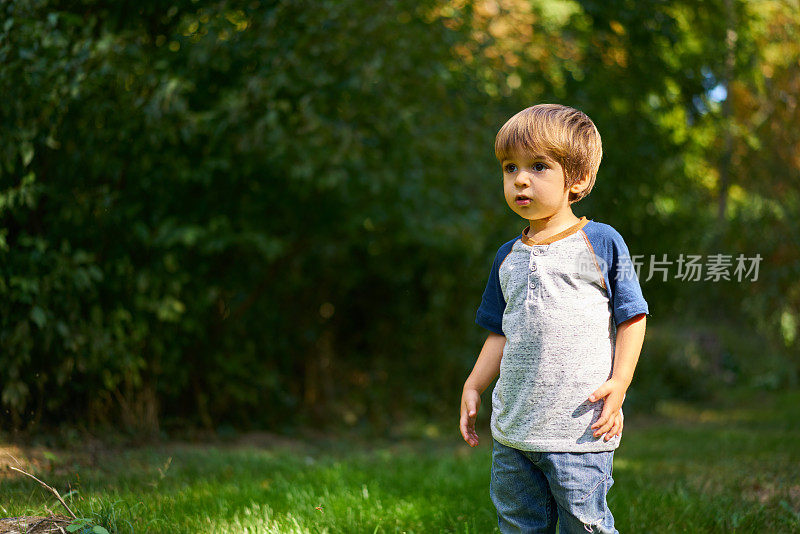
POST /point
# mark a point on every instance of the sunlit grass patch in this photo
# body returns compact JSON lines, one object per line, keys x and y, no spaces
{"x":678,"y":471}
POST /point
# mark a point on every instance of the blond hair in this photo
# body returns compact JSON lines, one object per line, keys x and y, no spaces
{"x":561,"y":133}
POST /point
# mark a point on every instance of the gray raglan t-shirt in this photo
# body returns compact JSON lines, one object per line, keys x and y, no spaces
{"x":557,"y":302}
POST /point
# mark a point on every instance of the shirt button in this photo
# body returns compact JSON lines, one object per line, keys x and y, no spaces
{"x":536,"y":252}
{"x":533,"y":284}
{"x":533,"y":267}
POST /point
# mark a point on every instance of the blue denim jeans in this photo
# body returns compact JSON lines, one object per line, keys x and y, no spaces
{"x":534,"y":490}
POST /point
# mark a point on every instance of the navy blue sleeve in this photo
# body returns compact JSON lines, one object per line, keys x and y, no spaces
{"x":493,"y":304}
{"x":619,"y":272}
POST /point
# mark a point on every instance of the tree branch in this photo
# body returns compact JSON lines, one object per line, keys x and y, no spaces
{"x":52,"y":490}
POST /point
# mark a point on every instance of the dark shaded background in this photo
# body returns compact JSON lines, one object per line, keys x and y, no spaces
{"x":239,"y":215}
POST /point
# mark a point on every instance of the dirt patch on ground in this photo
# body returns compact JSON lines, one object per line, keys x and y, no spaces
{"x":49,"y":461}
{"x":14,"y":456}
{"x":34,"y":524}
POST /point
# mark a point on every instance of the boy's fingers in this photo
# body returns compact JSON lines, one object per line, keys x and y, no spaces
{"x":602,"y":430}
{"x":468,"y":432}
{"x":600,"y":392}
{"x":604,"y":418}
{"x":466,"y":421}
{"x":600,"y":423}
{"x":614,"y":428}
{"x":464,"y":427}
{"x":469,"y":413}
{"x":467,"y":426}
{"x":603,"y":423}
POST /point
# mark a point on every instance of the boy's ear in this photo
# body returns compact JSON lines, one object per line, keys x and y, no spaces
{"x":580,"y":185}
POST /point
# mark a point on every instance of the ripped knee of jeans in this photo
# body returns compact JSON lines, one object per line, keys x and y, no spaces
{"x":588,"y":526}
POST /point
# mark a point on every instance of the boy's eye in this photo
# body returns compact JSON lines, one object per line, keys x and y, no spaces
{"x":539,"y":167}
{"x":510,"y":167}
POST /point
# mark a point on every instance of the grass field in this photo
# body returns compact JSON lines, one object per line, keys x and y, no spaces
{"x":730,"y":467}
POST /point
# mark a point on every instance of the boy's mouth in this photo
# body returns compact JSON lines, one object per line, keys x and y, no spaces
{"x":522,"y":200}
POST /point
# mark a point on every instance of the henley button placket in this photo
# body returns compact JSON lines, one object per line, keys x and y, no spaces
{"x":538,"y":250}
{"x":532,"y":276}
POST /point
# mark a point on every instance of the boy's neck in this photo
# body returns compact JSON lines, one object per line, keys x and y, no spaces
{"x":541,"y":229}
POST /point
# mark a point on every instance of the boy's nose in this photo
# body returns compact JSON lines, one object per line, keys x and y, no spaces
{"x":522,"y":179}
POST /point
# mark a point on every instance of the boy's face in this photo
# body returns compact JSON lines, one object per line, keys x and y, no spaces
{"x":534,"y":186}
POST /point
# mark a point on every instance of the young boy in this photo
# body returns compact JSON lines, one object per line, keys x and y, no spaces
{"x":566,"y":318}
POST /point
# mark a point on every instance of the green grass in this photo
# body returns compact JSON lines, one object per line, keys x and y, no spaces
{"x":733,"y":467}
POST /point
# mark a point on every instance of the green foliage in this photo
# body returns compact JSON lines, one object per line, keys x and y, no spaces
{"x":85,"y":526}
{"x":267,"y":213}
{"x":694,"y":360}
{"x":207,"y":181}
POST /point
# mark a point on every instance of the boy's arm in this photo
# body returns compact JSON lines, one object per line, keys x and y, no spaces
{"x":630,"y":336}
{"x":486,"y":369}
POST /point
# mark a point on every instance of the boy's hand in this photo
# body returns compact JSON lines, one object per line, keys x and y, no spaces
{"x":616,"y":426}
{"x":470,"y":402}
{"x":613,"y":393}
